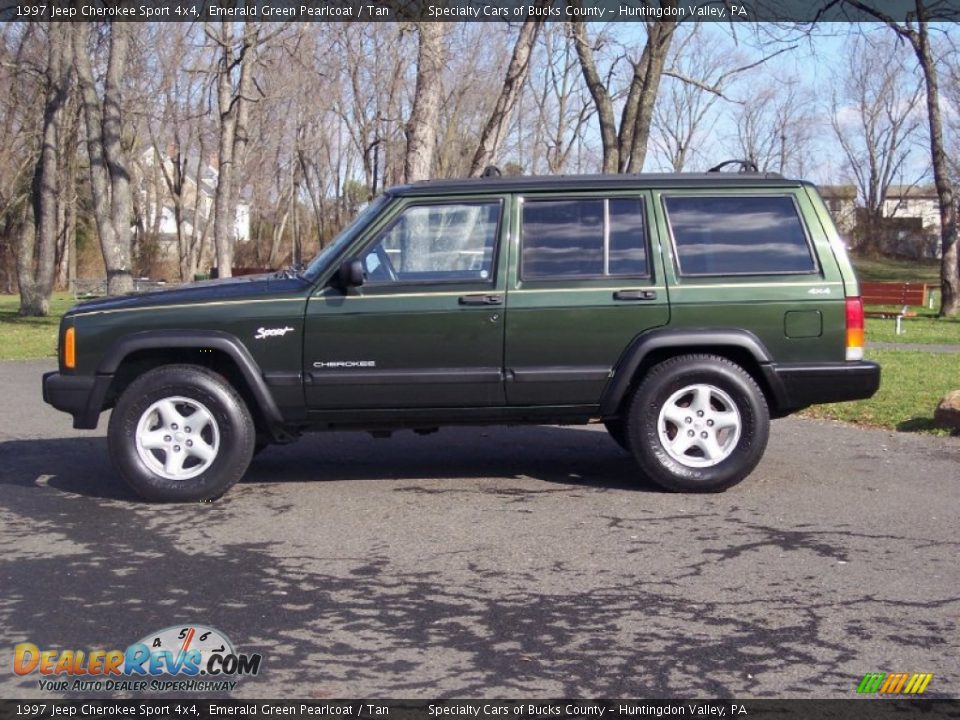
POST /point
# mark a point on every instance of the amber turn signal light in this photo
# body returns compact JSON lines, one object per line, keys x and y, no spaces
{"x":70,"y":348}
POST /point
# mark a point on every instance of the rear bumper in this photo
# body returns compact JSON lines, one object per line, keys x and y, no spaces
{"x":79,"y":395}
{"x":811,"y":384}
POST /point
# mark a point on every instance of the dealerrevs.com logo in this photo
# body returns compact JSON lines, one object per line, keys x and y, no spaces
{"x":191,"y":658}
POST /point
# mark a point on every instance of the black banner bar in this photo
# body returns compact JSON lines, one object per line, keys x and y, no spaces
{"x":855,"y":709}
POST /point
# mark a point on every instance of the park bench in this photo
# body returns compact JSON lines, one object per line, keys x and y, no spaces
{"x":890,"y":293}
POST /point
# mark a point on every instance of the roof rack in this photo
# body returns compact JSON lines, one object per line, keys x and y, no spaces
{"x":745,"y":166}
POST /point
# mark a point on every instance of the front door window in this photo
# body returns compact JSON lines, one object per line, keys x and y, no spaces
{"x":436,"y":243}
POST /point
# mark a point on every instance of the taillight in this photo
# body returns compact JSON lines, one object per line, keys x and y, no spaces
{"x":70,"y":348}
{"x":854,"y":328}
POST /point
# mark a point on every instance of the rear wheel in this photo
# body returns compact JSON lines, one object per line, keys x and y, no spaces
{"x":181,"y":433}
{"x":698,"y":423}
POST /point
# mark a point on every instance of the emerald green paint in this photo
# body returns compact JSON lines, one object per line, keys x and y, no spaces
{"x":388,"y":350}
{"x":803,"y":324}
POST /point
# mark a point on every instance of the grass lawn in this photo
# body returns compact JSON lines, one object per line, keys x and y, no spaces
{"x":897,"y":270}
{"x":926,"y":328}
{"x":911,"y":384}
{"x":23,"y":338}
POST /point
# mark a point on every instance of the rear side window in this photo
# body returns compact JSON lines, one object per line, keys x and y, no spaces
{"x":732,"y":235}
{"x":587,"y":238}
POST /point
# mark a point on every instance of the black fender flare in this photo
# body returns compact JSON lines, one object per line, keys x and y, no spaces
{"x":202,"y":339}
{"x":675,"y":339}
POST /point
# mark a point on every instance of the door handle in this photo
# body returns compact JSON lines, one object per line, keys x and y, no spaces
{"x":481,"y":300}
{"x":635,"y":295}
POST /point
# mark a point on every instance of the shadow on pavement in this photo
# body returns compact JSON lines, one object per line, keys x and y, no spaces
{"x":103,"y":574}
{"x":571,"y":456}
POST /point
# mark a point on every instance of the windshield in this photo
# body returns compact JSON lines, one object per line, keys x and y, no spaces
{"x":345,"y":237}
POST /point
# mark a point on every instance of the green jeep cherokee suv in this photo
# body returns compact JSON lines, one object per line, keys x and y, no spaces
{"x":682,"y":311}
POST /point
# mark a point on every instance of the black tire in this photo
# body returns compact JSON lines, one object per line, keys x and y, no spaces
{"x":717,"y":382}
{"x":229,"y":439}
{"x":617,"y":427}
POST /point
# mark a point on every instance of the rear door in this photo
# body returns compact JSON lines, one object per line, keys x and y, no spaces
{"x":586,"y":279}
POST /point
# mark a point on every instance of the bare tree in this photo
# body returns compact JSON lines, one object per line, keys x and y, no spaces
{"x":109,"y":166}
{"x":916,"y":31}
{"x":421,"y":129}
{"x":702,"y":70}
{"x":563,"y":107}
{"x":952,"y":93}
{"x":774,"y":127}
{"x":236,"y":92}
{"x":874,"y":118}
{"x":23,"y":62}
{"x":625,"y":145}
{"x":36,"y":257}
{"x":493,"y":133}
{"x":368,"y":99}
{"x":179,"y":142}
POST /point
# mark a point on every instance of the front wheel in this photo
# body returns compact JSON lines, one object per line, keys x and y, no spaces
{"x":698,"y":423}
{"x":181,"y":433}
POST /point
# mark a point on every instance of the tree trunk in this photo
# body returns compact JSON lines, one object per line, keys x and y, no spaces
{"x":67,"y":201}
{"x":222,"y":236}
{"x":109,"y":170}
{"x":120,"y":281}
{"x":234,"y":111}
{"x":626,"y":149}
{"x":642,"y":99}
{"x":32,"y":300}
{"x":496,"y":128}
{"x":421,"y":130}
{"x":601,"y":98}
{"x":37,"y":251}
{"x":949,"y":267}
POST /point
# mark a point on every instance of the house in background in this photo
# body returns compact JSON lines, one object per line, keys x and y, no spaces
{"x":912,"y":221}
{"x":842,"y":202}
{"x":911,"y":224}
{"x":914,"y":201}
{"x":198,"y":200}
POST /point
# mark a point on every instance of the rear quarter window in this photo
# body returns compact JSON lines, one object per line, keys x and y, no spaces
{"x":738,"y":235}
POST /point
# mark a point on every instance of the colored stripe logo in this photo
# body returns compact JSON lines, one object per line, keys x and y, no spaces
{"x":894,"y":683}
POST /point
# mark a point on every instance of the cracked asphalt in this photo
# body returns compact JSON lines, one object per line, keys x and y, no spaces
{"x":495,"y":562}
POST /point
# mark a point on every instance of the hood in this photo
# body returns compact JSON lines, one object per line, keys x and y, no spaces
{"x":238,"y":288}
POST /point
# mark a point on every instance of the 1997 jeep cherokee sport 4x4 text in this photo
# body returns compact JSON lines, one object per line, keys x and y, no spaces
{"x":682,"y":311}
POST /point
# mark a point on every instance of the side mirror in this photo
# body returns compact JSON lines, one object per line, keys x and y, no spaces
{"x":351,"y":273}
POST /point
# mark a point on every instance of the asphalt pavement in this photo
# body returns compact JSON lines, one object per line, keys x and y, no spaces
{"x":495,"y":562}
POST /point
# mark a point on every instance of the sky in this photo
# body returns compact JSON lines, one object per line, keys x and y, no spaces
{"x":817,"y":64}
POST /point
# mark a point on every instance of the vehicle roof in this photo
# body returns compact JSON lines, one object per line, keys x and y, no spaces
{"x":532,"y":183}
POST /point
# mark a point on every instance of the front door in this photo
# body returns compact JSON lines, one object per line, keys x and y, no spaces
{"x":426,"y":327}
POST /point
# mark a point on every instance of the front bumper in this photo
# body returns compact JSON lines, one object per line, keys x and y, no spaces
{"x":801,"y":385}
{"x":79,"y":395}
